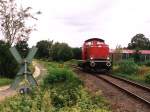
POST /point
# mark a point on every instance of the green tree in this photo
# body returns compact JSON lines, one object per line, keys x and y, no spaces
{"x":55,"y":49}
{"x":44,"y":49}
{"x":139,"y":42}
{"x":64,"y":53}
{"x":8,"y":66}
{"x":13,"y":21}
{"x":76,"y":53}
{"x":23,"y":48}
{"x":61,"y":52}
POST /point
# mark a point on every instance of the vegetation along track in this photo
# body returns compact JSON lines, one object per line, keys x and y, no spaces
{"x":133,"y":89}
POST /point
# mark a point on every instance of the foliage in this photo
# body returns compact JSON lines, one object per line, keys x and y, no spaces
{"x":64,"y":53}
{"x":141,"y":76}
{"x":117,"y":55}
{"x":56,"y":52}
{"x":59,"y":75}
{"x":44,"y":49}
{"x":76,"y":53}
{"x":143,"y":70}
{"x":147,"y":63}
{"x":128,"y":67}
{"x":147,"y":78}
{"x":55,"y":49}
{"x":57,"y":95}
{"x":13,"y":21}
{"x":140,"y":42}
{"x":61,"y":52}
{"x":136,"y":56}
{"x":8,"y":66}
{"x":4,"y":81}
{"x":23,"y":48}
{"x":71,"y":62}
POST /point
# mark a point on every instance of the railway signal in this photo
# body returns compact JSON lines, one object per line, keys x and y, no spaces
{"x":24,"y":71}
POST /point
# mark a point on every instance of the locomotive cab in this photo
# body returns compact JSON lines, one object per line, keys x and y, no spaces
{"x":95,"y":55}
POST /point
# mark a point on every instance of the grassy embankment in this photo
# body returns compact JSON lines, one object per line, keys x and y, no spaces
{"x":130,"y":70}
{"x":5,"y":81}
{"x":60,"y":91}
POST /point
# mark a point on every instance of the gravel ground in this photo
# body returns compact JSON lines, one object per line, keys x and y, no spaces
{"x":136,"y":90}
{"x":119,"y":101}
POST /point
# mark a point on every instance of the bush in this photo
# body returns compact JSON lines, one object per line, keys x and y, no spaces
{"x":147,"y":78}
{"x":147,"y":63}
{"x":4,"y":81}
{"x":128,"y":67}
{"x":44,"y":49}
{"x":61,"y":52}
{"x":77,"y":53}
{"x":60,"y":75}
{"x":23,"y":48}
{"x":61,"y":93}
{"x":8,"y":65}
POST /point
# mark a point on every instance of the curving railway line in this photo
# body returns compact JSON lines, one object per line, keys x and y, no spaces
{"x":133,"y":89}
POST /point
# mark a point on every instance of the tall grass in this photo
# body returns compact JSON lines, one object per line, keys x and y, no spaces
{"x":129,"y":69}
{"x":61,"y":91}
{"x":5,"y":81}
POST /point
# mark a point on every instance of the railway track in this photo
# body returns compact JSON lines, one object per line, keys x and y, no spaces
{"x":135,"y":90}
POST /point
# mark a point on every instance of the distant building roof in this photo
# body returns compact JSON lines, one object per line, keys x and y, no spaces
{"x":127,"y":51}
{"x":144,"y":51}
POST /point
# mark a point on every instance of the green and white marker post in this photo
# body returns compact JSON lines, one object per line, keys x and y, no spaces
{"x":24,"y":71}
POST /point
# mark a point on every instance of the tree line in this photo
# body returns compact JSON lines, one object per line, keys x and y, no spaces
{"x":46,"y":50}
{"x":57,"y":51}
{"x":53,"y":51}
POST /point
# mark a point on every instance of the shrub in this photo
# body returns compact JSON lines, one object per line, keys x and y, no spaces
{"x":63,"y":93}
{"x":61,"y":52}
{"x":44,"y":49}
{"x":8,"y":65}
{"x":128,"y":67}
{"x":60,"y":75}
{"x":23,"y":48}
{"x":4,"y":81}
{"x":147,"y":63}
{"x":147,"y":78}
{"x":143,"y":70}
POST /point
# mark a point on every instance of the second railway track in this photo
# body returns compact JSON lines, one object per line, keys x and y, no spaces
{"x":135,"y":90}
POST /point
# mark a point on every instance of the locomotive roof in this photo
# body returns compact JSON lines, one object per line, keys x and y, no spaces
{"x":97,"y":39}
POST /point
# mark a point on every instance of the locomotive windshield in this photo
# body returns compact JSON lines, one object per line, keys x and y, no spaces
{"x":94,"y":42}
{"x":94,"y":39}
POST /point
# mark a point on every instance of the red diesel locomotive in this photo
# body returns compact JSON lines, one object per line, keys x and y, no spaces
{"x":95,"y":55}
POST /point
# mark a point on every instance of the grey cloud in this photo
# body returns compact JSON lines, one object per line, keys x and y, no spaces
{"x":87,"y":20}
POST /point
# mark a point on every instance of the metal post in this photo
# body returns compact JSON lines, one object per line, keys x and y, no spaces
{"x":24,"y":71}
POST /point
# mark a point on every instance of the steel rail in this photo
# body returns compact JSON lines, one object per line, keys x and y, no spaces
{"x":122,"y":89}
{"x":125,"y":90}
{"x":131,"y":82}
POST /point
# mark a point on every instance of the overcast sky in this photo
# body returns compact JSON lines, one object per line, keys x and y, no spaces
{"x":73,"y":21}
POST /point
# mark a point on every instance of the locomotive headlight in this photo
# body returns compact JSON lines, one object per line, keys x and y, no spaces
{"x":108,"y":58}
{"x":91,"y":58}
